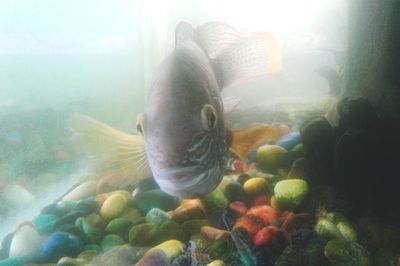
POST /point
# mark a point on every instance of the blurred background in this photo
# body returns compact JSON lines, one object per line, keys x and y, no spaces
{"x":98,"y":58}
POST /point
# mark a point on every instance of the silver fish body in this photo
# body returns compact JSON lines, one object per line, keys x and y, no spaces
{"x":186,"y":159}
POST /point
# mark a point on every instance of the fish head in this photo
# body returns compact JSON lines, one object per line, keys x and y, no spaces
{"x":184,"y":125}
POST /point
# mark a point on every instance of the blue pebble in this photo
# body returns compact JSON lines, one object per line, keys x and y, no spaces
{"x":252,"y":156}
{"x":6,"y":243}
{"x":58,"y":245}
{"x":289,"y":140}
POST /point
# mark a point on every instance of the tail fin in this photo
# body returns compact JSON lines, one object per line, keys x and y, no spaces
{"x":244,"y":140}
{"x":113,"y":151}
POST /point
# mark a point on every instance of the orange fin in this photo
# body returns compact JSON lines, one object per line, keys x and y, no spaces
{"x":242,"y":141}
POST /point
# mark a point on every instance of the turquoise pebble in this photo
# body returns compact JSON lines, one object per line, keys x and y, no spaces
{"x":44,"y":223}
{"x":17,"y":261}
{"x":155,"y":199}
{"x":157,"y":216}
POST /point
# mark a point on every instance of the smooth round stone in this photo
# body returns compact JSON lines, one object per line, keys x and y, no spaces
{"x":290,"y":193}
{"x":131,"y":214}
{"x":242,"y":178}
{"x":255,"y":186}
{"x":113,"y":206}
{"x":326,"y":229}
{"x":92,"y":247}
{"x":69,"y":228}
{"x":251,"y":223}
{"x":214,"y":200}
{"x":266,"y":213}
{"x":193,"y":226}
{"x":265,"y":235}
{"x":111,"y":241}
{"x":269,"y":156}
{"x":87,"y":206}
{"x":153,"y":234}
{"x":44,"y":223}
{"x":188,"y":210}
{"x":69,"y":218}
{"x":17,"y":261}
{"x":90,"y":228}
{"x":289,"y":141}
{"x":120,"y":256}
{"x":298,"y":147}
{"x":82,"y":191}
{"x":25,"y":242}
{"x":347,"y":231}
{"x":58,"y":245}
{"x":156,"y":198}
{"x":216,"y":263}
{"x":342,"y":252}
{"x":238,"y":208}
{"x":161,"y":253}
{"x":118,"y":225}
{"x":6,"y":243}
{"x":157,"y":216}
{"x":213,"y":233}
{"x":234,"y":192}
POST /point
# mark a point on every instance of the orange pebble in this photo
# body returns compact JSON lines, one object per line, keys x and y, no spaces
{"x":262,"y":200}
{"x":266,"y":213}
{"x":238,"y":207}
{"x":265,"y":235}
{"x":251,"y":223}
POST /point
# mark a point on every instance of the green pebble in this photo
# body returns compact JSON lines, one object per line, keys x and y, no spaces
{"x":118,"y":225}
{"x":215,"y":200}
{"x":92,"y":247}
{"x":157,"y":216}
{"x":155,"y":199}
{"x":193,"y":226}
{"x":44,"y":223}
{"x":298,"y":147}
{"x":111,"y":241}
{"x":152,"y":234}
{"x":326,"y":229}
{"x":291,"y":257}
{"x":290,"y":193}
{"x":131,"y":214}
{"x":345,"y":253}
{"x":347,"y":231}
{"x":269,"y":156}
{"x":90,"y":229}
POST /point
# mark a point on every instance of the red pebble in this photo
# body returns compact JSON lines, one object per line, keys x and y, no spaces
{"x":265,"y":235}
{"x":266,"y":213}
{"x":238,"y":166}
{"x":251,"y":223}
{"x":261,"y":200}
{"x":238,"y":207}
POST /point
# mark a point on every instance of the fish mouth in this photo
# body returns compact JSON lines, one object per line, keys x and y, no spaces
{"x":186,"y":183}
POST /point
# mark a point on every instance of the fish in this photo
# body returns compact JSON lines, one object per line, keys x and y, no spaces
{"x":184,"y":143}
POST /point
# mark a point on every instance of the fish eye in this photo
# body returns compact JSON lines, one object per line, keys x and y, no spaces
{"x":139,"y":124}
{"x":208,"y":117}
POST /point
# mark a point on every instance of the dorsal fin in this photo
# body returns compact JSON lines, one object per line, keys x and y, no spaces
{"x":183,"y":32}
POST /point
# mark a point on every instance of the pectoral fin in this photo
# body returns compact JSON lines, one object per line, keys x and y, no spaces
{"x":242,"y":141}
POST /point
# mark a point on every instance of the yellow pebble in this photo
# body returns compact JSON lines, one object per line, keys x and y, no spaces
{"x":171,"y":248}
{"x":255,"y":186}
{"x":113,"y":206}
{"x":216,"y":263}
